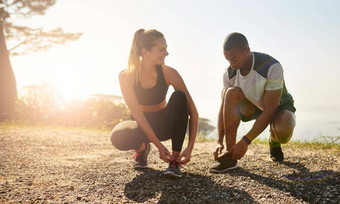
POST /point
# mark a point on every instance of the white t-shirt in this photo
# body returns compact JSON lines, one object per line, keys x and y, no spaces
{"x":266,"y":74}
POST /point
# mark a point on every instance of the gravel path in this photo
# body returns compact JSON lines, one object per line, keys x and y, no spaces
{"x":56,"y":165}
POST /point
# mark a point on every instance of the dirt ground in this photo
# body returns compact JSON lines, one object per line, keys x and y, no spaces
{"x":59,"y":165}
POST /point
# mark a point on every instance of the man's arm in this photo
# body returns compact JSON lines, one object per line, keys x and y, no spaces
{"x":271,"y":100}
{"x":220,"y":122}
{"x":220,"y":129}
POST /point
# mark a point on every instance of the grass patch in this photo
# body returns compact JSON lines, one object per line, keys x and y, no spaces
{"x":324,"y":142}
{"x":203,"y":138}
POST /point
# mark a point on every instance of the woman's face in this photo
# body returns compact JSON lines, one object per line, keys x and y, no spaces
{"x":157,"y":53}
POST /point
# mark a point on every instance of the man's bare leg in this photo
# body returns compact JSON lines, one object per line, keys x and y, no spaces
{"x":231,"y":116}
{"x":282,"y":126}
{"x":228,"y":123}
{"x":281,"y":131}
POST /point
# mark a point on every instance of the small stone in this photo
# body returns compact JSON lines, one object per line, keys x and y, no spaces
{"x":78,"y":198}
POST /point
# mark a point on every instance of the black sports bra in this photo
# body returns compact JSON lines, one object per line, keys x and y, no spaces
{"x":153,"y":95}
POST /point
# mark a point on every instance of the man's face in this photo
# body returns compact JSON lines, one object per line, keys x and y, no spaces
{"x":237,"y":57}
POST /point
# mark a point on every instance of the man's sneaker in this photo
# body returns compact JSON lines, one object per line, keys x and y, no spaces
{"x":276,"y":153}
{"x":225,"y":163}
{"x":174,"y":169}
{"x":141,"y":158}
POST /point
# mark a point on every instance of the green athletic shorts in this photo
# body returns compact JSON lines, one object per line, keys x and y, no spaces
{"x":286,"y":106}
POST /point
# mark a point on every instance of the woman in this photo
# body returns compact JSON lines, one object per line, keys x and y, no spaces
{"x":144,"y":85}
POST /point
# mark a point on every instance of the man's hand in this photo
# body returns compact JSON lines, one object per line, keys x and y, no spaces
{"x":186,"y":154}
{"x":219,"y":147}
{"x":239,"y":150}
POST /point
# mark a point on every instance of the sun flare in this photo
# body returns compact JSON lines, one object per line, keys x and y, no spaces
{"x":71,"y":87}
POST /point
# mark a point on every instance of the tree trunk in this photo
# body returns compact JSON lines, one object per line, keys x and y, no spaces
{"x":8,"y":89}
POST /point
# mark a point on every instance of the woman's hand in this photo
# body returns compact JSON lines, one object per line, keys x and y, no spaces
{"x":164,"y":154}
{"x":186,"y":154}
{"x":219,"y":147}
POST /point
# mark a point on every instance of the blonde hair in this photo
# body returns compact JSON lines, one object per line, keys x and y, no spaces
{"x":141,"y":40}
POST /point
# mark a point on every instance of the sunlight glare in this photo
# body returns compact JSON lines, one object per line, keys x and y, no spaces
{"x":71,"y":87}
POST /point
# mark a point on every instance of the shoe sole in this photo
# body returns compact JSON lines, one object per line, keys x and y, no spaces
{"x":172,"y":174}
{"x":141,"y":167}
{"x":217,"y":171}
{"x":275,"y":160}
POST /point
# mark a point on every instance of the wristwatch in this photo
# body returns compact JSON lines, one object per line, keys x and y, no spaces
{"x":247,"y":140}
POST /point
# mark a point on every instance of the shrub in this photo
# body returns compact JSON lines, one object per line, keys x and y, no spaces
{"x":44,"y":108}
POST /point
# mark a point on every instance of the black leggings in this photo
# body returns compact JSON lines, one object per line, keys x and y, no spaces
{"x":169,"y":123}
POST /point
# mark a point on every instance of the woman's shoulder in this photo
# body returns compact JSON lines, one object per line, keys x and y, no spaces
{"x":124,"y":74}
{"x":124,"y":71}
{"x":171,"y":75}
{"x":169,"y":70}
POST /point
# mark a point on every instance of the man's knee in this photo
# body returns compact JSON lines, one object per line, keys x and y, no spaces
{"x":234,"y":93}
{"x":282,"y":135}
{"x":283,"y":126}
{"x":283,"y":138}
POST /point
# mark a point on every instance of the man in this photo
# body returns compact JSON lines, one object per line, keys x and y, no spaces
{"x":254,"y":88}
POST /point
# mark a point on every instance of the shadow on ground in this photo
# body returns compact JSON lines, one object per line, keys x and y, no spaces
{"x":312,"y":187}
{"x":191,"y":188}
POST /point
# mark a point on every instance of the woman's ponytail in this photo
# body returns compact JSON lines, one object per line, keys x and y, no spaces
{"x":141,"y":40}
{"x":135,"y":55}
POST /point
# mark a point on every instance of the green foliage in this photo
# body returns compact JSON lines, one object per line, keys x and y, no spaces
{"x":45,"y":108}
{"x":326,"y":140}
{"x":203,"y":138}
{"x":26,"y":38}
{"x":204,"y":128}
{"x":16,"y":39}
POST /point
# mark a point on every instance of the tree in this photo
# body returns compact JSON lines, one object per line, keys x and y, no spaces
{"x":204,"y":128}
{"x":27,"y":38}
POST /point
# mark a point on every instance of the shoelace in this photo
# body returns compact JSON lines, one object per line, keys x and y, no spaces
{"x":174,"y":162}
{"x":137,"y":156}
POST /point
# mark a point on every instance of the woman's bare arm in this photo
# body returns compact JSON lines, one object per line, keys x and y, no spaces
{"x":130,"y":98}
{"x":173,"y":78}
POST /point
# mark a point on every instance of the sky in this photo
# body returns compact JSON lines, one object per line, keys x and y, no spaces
{"x":304,"y":36}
